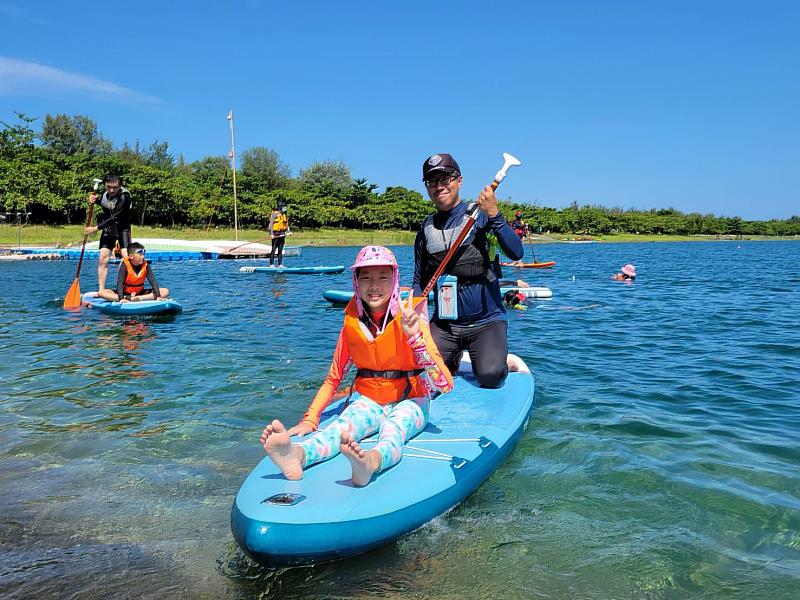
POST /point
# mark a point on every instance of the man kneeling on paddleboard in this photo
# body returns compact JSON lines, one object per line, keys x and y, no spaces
{"x":399,"y":368}
{"x":134,"y":270}
{"x":476,"y":320}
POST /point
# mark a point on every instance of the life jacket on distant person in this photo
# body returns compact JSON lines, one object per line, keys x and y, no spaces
{"x":387,"y":371}
{"x":134,"y":284}
{"x":281,"y":223}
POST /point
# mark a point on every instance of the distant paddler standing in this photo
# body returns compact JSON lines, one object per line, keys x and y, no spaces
{"x":115,"y":222}
{"x":278,"y":230}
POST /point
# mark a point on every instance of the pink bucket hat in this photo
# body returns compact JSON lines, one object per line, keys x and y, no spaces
{"x":377,"y":256}
{"x":629,"y":270}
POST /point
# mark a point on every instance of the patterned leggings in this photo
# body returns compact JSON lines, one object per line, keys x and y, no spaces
{"x":395,"y":423}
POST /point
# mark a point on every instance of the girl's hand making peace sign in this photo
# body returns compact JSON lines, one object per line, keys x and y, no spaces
{"x":410,"y":319}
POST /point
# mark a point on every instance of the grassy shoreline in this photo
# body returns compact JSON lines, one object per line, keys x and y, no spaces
{"x":63,"y":235}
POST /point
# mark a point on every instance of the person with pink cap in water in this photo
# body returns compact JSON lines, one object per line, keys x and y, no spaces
{"x":398,"y":370}
{"x":628,"y":273}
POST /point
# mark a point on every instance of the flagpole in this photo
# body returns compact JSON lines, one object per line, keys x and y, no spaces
{"x":232,"y":156}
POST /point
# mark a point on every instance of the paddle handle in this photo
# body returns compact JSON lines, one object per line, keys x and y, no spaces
{"x":455,"y":245}
{"x":85,"y":237}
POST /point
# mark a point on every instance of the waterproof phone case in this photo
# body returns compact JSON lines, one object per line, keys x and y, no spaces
{"x":447,"y":301}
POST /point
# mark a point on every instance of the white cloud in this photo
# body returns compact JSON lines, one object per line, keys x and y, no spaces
{"x":19,"y":76}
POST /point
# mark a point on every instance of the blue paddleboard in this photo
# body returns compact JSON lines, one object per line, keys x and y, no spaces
{"x":144,"y":307}
{"x":343,"y":297}
{"x":323,"y":517}
{"x":293,"y":270}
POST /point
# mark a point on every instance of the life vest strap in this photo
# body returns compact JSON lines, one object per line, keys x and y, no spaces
{"x":389,"y":374}
{"x":407,"y":375}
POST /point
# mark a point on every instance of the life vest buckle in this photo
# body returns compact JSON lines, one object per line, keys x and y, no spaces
{"x":389,"y":374}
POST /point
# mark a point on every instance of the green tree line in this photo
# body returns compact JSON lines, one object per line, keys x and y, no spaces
{"x":49,"y":173}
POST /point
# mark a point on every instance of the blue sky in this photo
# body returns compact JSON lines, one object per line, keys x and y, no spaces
{"x":638,"y":104}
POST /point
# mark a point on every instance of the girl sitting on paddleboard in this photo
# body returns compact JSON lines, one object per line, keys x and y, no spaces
{"x":628,"y":273}
{"x":134,"y":271}
{"x":399,"y":368}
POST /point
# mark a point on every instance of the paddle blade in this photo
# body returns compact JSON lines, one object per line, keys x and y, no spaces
{"x":73,"y":297}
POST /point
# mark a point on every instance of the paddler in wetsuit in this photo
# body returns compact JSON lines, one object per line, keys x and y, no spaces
{"x":115,"y":223}
{"x":134,"y":270}
{"x":399,"y":369}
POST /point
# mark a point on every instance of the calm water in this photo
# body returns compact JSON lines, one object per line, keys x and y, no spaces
{"x":661,"y":460}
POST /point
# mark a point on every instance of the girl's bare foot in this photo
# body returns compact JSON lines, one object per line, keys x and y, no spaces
{"x":364,"y":464}
{"x":287,"y":456}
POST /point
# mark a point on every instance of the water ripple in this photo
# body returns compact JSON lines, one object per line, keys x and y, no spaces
{"x":660,"y":461}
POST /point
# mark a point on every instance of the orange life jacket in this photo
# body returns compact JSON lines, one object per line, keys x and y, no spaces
{"x":134,"y":284}
{"x":389,"y":353}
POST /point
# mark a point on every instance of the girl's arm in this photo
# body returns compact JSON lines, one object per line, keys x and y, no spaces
{"x":337,"y":371}
{"x":437,"y":377}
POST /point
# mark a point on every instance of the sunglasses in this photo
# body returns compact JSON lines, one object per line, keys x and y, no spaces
{"x":139,"y":251}
{"x":437,"y":181}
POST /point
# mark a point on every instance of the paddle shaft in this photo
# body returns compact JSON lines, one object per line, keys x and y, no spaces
{"x":455,"y":246}
{"x":247,"y":244}
{"x":85,"y":237}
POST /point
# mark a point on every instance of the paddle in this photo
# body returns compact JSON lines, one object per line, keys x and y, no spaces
{"x":508,"y":162}
{"x":73,"y":297}
{"x":245,"y":244}
{"x":256,"y":242}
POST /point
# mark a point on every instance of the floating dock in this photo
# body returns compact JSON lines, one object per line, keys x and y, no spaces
{"x":166,"y":250}
{"x":14,"y":257}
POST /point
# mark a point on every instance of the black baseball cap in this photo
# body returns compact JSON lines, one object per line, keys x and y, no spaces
{"x":440,"y":162}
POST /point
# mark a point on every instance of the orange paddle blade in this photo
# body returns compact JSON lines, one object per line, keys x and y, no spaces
{"x":73,"y":297}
